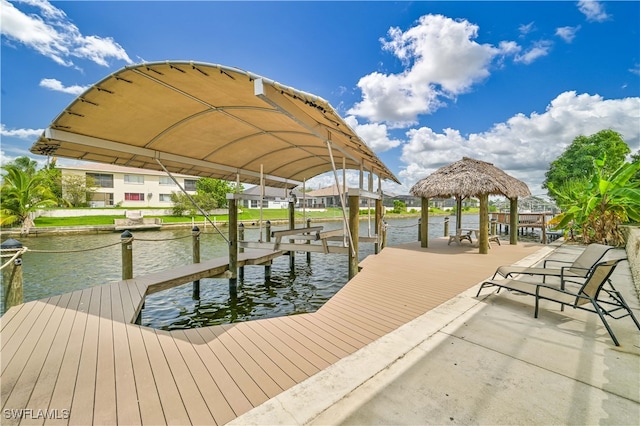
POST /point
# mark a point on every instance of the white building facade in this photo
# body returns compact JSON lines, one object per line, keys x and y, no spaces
{"x":117,"y":186}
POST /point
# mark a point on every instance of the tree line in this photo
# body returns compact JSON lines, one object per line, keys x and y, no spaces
{"x":595,"y":181}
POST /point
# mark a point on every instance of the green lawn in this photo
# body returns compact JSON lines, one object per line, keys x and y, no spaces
{"x":246,"y":215}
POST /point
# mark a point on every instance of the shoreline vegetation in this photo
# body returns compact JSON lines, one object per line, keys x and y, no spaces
{"x":104,"y":224}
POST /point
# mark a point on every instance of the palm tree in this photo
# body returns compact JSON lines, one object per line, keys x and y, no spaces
{"x":21,"y":194}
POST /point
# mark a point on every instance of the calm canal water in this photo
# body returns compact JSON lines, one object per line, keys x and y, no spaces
{"x":288,"y":292}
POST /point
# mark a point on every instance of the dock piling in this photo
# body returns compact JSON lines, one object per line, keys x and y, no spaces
{"x":126,"y":239}
{"x":12,"y":274}
{"x":292,"y":225}
{"x":309,"y":242}
{"x":195,"y":240}
{"x":446,"y":226}
{"x":241,"y":250}
{"x":267,"y":266}
{"x":233,"y":247}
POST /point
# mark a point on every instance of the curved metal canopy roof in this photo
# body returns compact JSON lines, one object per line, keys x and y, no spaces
{"x":207,"y":120}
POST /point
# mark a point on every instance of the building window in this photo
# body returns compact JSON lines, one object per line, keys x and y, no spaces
{"x":133,"y":196}
{"x":135,"y":179}
{"x":190,"y":184}
{"x":166,"y":180}
{"x":165,"y":197}
{"x":101,"y":199}
{"x":102,"y":180}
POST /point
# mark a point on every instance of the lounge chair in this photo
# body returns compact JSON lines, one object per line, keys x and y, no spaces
{"x":579,"y":268}
{"x":459,"y":237}
{"x":591,"y":296}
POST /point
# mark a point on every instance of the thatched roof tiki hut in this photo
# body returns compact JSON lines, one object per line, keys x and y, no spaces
{"x":471,"y":178}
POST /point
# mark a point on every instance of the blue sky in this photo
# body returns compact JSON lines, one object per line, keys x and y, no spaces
{"x":423,"y":83}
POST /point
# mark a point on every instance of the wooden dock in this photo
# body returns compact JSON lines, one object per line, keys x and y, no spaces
{"x":78,"y":358}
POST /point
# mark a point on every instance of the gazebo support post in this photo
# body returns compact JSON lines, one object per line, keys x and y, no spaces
{"x":513,"y":220}
{"x":378,"y":225}
{"x":459,"y":212}
{"x":424,"y":222}
{"x":483,"y":241}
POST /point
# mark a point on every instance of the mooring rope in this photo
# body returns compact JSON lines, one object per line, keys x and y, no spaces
{"x":18,"y":253}
{"x":128,"y":240}
{"x":164,"y":239}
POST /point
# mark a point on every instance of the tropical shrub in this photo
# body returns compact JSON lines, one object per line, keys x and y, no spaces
{"x":597,"y":207}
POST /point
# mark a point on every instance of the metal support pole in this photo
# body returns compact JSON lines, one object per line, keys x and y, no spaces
{"x":195,"y":243}
{"x":126,"y":240}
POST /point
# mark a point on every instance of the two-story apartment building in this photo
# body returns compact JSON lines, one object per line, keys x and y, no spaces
{"x":130,"y":187}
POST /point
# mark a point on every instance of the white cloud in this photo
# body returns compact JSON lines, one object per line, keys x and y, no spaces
{"x":26,"y":134}
{"x":374,"y":134}
{"x":635,"y":70}
{"x":539,"y":49}
{"x":441,"y":60}
{"x":526,"y":29}
{"x":523,"y":146}
{"x":593,"y":10}
{"x":51,"y":34}
{"x":567,"y":33}
{"x":57,"y":86}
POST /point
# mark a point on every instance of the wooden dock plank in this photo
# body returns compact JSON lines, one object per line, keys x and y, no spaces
{"x":19,"y":355}
{"x":245,"y":358}
{"x":63,"y":392}
{"x":33,"y":359}
{"x":239,"y":375}
{"x":218,"y":405}
{"x":151,"y":410}
{"x":280,"y":359}
{"x":236,"y":398}
{"x":322,"y":344}
{"x":172,"y":405}
{"x":105,"y":408}
{"x":373,"y":328}
{"x":317,"y":360}
{"x":194,"y":404}
{"x":260,"y":355}
{"x":371,"y":309}
{"x":8,"y":316}
{"x":360,"y":339}
{"x":316,"y":326}
{"x":128,"y":410}
{"x":50,"y":373}
{"x":84,"y":396}
{"x":18,"y":329}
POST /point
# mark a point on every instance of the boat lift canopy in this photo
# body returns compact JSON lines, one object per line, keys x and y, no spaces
{"x":206,"y":120}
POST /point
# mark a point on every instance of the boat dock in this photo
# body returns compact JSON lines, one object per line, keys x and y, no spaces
{"x":80,"y":357}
